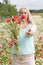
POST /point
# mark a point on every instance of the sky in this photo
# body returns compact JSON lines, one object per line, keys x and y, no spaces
{"x":30,"y":4}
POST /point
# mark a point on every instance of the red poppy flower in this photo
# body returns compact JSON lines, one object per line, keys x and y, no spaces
{"x":11,"y":44}
{"x":8,"y":20}
{"x":10,"y":62}
{"x":15,"y":17}
{"x":40,"y":50}
{"x":0,"y":62}
{"x":18,"y":21}
{"x":23,"y":16}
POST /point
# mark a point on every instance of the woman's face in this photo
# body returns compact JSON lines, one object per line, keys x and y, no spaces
{"x":24,"y":12}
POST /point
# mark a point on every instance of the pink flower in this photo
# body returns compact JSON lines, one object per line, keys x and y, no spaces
{"x":11,"y":44}
{"x":4,"y":46}
{"x":1,"y":51}
{"x":41,"y":37}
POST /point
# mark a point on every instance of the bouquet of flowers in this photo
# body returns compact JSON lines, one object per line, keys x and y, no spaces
{"x":14,"y":26}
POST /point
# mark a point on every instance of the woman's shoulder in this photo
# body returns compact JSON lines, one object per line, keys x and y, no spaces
{"x":31,"y":25}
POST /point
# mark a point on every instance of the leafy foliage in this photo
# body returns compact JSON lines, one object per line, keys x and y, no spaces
{"x":7,"y":10}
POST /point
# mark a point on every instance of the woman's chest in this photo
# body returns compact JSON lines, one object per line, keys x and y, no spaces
{"x":22,"y":33}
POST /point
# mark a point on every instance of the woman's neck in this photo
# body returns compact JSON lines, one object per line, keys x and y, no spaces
{"x":24,"y":21}
{"x":24,"y":24}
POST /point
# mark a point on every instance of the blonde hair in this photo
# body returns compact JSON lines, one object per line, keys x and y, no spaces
{"x":29,"y":19}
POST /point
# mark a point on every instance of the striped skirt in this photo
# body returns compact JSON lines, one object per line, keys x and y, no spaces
{"x":26,"y":59}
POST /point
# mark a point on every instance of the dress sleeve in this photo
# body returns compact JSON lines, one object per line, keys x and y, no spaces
{"x":34,"y":28}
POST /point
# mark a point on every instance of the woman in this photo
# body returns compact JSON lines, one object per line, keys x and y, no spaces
{"x":26,"y":40}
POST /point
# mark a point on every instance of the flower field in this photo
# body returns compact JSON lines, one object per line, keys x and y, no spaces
{"x":6,"y":46}
{"x":39,"y":41}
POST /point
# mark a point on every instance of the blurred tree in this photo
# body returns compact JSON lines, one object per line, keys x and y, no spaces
{"x":6,"y":1}
{"x":8,"y":10}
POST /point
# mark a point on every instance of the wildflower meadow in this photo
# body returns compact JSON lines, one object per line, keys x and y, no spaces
{"x":6,"y":42}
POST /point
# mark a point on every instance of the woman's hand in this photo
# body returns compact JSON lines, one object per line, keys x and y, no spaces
{"x":14,"y":40}
{"x":29,"y":32}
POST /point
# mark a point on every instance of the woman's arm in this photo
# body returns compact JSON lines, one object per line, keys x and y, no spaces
{"x":31,"y":31}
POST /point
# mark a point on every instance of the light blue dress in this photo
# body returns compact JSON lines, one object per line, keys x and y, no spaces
{"x":26,"y":44}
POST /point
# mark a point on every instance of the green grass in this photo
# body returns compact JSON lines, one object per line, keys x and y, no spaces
{"x":41,"y":14}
